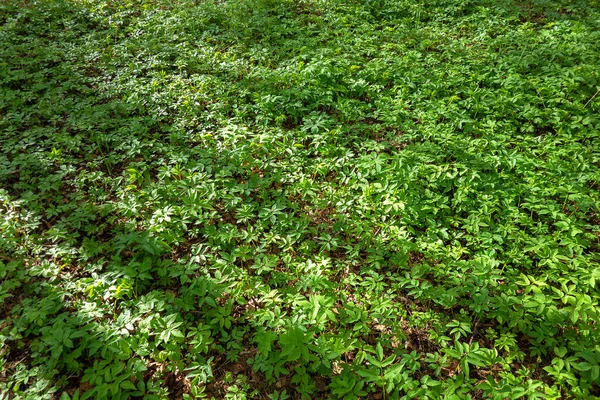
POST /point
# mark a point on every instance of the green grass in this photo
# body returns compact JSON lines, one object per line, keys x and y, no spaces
{"x":299,"y":199}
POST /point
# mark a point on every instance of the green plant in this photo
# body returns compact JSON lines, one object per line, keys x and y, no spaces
{"x":344,"y":199}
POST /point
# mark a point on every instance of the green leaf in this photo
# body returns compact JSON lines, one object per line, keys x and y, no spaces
{"x":379,"y":351}
{"x":128,"y":385}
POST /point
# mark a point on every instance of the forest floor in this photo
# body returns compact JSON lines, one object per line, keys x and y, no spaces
{"x":252,"y":199}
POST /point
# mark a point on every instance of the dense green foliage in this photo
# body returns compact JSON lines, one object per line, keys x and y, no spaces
{"x":299,"y":199}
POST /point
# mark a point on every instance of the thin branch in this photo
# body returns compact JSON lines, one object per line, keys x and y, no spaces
{"x":591,"y":98}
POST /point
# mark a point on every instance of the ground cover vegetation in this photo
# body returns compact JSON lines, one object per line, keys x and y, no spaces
{"x":299,"y":199}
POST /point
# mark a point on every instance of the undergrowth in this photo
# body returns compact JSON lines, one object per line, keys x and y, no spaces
{"x":299,"y":199}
